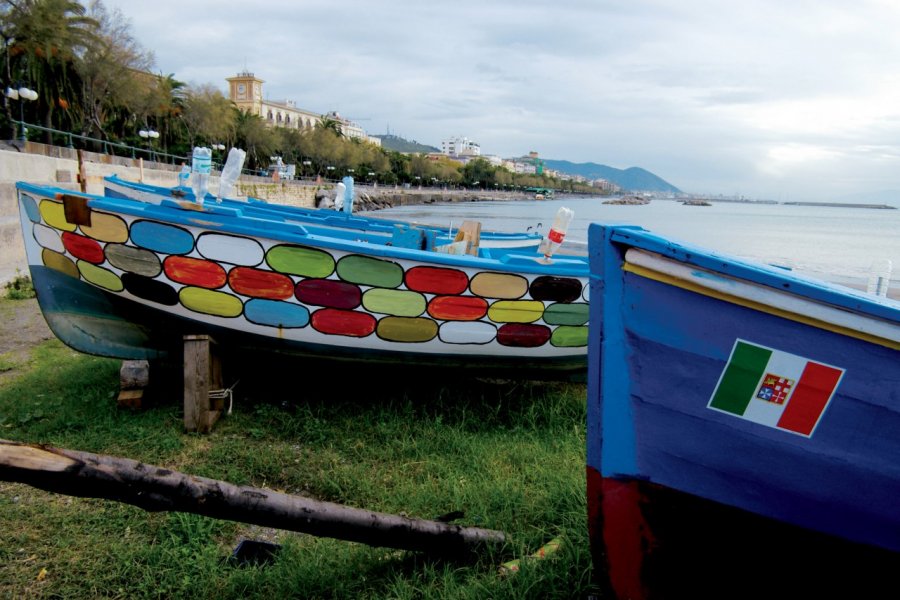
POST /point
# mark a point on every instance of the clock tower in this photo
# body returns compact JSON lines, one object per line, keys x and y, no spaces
{"x":245,"y":90}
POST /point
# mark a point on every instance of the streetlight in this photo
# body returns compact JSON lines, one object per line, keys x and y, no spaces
{"x":306,"y":165}
{"x":21,"y":94}
{"x":149,"y":135}
{"x":329,"y":168}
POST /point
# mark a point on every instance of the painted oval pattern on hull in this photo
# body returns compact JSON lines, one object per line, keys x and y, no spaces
{"x":133,"y":260}
{"x":522,"y":335}
{"x":299,"y":260}
{"x":436,"y":280}
{"x":105,"y":227}
{"x":569,"y":337}
{"x":328,"y":293}
{"x":100,"y":276}
{"x":555,"y":289}
{"x":83,"y":248}
{"x":515,"y":311}
{"x":567,"y":314}
{"x":59,"y":262}
{"x":232,"y":249}
{"x":375,"y":272}
{"x":499,"y":285}
{"x":47,"y":237}
{"x":210,"y":302}
{"x":161,"y":238}
{"x":457,"y":308}
{"x":343,"y":322}
{"x":258,"y":283}
{"x":407,"y":329}
{"x":150,"y":289}
{"x":467,"y":332}
{"x":399,"y":303}
{"x":55,"y":215}
{"x":194,"y":271}
{"x":276,"y":314}
{"x":31,"y":208}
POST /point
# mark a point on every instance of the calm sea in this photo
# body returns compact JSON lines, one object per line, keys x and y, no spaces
{"x":836,"y":244}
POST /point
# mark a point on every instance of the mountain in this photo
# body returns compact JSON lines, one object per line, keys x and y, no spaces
{"x":634,"y":179}
{"x":398,"y":144}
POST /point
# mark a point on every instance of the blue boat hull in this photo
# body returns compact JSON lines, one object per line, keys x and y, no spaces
{"x":660,"y":358}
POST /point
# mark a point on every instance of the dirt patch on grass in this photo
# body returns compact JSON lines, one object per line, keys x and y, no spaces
{"x":22,"y":327}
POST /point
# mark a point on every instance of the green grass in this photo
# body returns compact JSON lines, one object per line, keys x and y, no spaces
{"x":19,"y":288}
{"x":508,"y":454}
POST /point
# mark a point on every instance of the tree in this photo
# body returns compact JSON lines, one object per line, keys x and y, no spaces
{"x":208,"y":115}
{"x":257,"y":140}
{"x":44,"y":40}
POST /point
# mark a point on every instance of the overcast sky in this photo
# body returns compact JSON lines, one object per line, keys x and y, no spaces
{"x":779,"y":99}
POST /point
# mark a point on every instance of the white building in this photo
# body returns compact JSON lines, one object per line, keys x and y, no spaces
{"x":460,"y":146}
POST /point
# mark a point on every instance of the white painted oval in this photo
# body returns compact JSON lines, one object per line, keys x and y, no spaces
{"x":49,"y":238}
{"x":231,"y":249}
{"x":467,"y":332}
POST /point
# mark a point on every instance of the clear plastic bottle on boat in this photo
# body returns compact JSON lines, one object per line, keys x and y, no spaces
{"x":557,"y":232}
{"x":880,"y":277}
{"x":184,"y":176}
{"x":201,"y":166}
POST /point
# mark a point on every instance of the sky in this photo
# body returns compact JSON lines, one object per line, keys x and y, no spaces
{"x":769,"y":99}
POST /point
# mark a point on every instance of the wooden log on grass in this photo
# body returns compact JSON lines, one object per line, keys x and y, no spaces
{"x":153,"y":488}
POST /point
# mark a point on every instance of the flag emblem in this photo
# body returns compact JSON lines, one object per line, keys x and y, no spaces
{"x":775,"y":388}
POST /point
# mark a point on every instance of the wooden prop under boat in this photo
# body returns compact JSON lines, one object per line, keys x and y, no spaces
{"x":116,"y":187}
{"x":127,"y":279}
{"x":743,"y":426}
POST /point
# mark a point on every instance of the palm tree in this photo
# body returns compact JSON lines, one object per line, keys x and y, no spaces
{"x":44,"y":40}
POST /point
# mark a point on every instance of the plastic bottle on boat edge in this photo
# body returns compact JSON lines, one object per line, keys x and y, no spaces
{"x":201,"y":166}
{"x":184,"y":176}
{"x":557,"y":232}
{"x":880,"y":277}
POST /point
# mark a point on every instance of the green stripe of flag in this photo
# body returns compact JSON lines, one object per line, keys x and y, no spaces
{"x":740,"y":378}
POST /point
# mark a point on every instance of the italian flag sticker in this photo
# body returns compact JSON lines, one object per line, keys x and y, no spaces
{"x":775,"y":388}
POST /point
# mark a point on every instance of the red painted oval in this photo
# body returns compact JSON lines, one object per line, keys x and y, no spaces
{"x":343,"y":322}
{"x":523,"y":335}
{"x":435,"y":280}
{"x":457,"y":308}
{"x":194,"y":271}
{"x":259,"y":283}
{"x":83,"y":247}
{"x":329,"y":293}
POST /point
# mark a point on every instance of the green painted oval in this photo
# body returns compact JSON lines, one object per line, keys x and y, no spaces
{"x":298,"y":260}
{"x":566,"y":314}
{"x":407,"y":330}
{"x":566,"y":336}
{"x":400,"y":303}
{"x":100,"y":276}
{"x":210,"y":302}
{"x":363,"y":270}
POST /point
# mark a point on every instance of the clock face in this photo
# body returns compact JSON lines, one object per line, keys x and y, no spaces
{"x":242,"y":88}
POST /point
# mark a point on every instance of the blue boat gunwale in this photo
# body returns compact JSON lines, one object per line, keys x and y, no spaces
{"x":769,"y":276}
{"x":231,"y":220}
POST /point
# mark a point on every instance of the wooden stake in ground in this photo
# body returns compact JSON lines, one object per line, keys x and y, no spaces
{"x":157,"y":489}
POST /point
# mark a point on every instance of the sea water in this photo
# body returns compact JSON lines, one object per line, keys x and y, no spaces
{"x":834,"y":243}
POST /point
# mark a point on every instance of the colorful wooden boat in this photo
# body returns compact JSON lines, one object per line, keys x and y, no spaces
{"x":116,"y":187}
{"x":743,"y":426}
{"x":124,"y":278}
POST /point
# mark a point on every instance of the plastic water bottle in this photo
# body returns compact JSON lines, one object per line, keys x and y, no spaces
{"x":184,"y":176}
{"x":557,"y":232}
{"x":348,"y":194}
{"x":230,"y":172}
{"x":880,"y":277}
{"x":202,"y":165}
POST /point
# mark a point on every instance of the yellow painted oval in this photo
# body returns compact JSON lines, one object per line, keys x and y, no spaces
{"x":55,"y":215}
{"x":59,"y":262}
{"x":210,"y":302}
{"x":516,"y":311}
{"x":499,"y":285}
{"x":105,"y":227}
{"x":100,"y":276}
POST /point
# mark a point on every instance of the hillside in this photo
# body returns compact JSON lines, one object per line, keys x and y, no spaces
{"x":633,"y":179}
{"x":398,"y":144}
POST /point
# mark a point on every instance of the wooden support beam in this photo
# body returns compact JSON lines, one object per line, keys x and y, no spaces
{"x":470,"y":232}
{"x":202,"y":373}
{"x":155,"y":488}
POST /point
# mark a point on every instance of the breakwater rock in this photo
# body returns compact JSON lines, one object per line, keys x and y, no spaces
{"x":371,"y":199}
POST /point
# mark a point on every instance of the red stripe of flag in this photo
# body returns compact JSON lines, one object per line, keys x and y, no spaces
{"x":810,"y":396}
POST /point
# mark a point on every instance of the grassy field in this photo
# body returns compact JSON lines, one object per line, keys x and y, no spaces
{"x":509,"y":454}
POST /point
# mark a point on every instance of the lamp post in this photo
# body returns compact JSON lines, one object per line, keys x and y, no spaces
{"x":330,"y":170}
{"x":306,"y":165}
{"x":149,"y":135}
{"x":372,"y":174}
{"x":21,"y":94}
